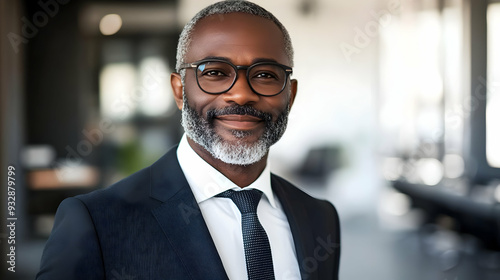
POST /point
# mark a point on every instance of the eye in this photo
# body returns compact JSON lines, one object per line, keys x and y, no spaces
{"x":266,"y":75}
{"x":213,"y":73}
{"x":214,"y":70}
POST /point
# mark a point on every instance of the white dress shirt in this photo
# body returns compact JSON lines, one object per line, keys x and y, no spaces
{"x":223,"y":218}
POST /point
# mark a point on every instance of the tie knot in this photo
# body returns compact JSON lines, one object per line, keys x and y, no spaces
{"x":246,"y":200}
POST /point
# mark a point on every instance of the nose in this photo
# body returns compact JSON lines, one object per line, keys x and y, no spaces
{"x":241,"y":93}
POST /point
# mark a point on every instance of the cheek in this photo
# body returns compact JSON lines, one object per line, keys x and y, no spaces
{"x":197,"y":99}
{"x":278,"y":104}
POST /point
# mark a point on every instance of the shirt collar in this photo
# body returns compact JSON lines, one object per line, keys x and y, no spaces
{"x":206,"y":181}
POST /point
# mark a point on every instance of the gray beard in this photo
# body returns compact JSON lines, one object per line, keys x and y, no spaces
{"x":201,"y":131}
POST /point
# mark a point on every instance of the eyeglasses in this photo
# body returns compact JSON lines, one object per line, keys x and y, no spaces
{"x":216,"y":76}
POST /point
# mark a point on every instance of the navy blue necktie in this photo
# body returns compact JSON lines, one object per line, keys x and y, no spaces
{"x":257,"y":249}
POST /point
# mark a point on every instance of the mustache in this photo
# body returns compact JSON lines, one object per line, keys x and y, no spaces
{"x":239,"y":110}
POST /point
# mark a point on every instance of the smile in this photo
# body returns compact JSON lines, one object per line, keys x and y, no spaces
{"x":239,"y":122}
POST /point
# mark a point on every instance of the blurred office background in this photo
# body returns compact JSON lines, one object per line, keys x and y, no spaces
{"x":396,"y":121}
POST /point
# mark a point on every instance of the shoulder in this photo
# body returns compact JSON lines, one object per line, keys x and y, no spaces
{"x":137,"y":188}
{"x":295,"y":192}
{"x":309,"y":215}
{"x":133,"y":187}
{"x":313,"y":206}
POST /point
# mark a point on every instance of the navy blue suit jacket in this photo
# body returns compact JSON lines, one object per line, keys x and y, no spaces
{"x":149,"y":226}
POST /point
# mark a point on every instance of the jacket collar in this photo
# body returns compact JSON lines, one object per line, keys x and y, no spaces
{"x":181,"y":221}
{"x":303,"y":236}
{"x":190,"y":237}
{"x":166,"y":177}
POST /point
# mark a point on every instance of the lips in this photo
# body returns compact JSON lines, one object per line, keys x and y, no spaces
{"x":239,"y":122}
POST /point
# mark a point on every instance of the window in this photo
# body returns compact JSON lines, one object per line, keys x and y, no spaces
{"x":493,"y":86}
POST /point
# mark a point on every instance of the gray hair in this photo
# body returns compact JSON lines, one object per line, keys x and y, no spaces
{"x":227,"y":7}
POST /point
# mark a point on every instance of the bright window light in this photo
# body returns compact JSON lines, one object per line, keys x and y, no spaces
{"x":493,"y":87}
{"x":154,"y":81}
{"x":116,"y":83}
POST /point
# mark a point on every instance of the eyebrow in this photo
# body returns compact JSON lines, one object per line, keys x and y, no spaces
{"x":255,"y":60}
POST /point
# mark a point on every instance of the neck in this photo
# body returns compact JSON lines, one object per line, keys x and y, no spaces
{"x":241,"y":175}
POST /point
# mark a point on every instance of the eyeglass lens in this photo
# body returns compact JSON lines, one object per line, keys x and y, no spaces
{"x":216,"y":77}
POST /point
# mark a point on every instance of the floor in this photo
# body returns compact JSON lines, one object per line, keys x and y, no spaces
{"x":424,"y":254}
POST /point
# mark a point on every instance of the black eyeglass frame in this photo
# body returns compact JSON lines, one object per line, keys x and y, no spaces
{"x":288,"y":72}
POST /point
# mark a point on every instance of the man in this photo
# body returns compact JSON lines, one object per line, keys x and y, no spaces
{"x":209,"y":208}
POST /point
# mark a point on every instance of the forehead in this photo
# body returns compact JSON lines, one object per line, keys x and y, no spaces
{"x":240,"y":37}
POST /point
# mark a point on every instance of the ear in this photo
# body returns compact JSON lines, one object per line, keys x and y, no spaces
{"x":176,"y":83}
{"x":293,"y":91}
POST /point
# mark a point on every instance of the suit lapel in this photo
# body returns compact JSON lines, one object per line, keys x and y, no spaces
{"x":303,"y":236}
{"x":181,"y":220}
{"x":185,"y":230}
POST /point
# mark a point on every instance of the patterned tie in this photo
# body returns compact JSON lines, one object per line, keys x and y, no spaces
{"x":257,"y":249}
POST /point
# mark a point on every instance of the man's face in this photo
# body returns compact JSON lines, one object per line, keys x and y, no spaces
{"x":238,"y":126}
